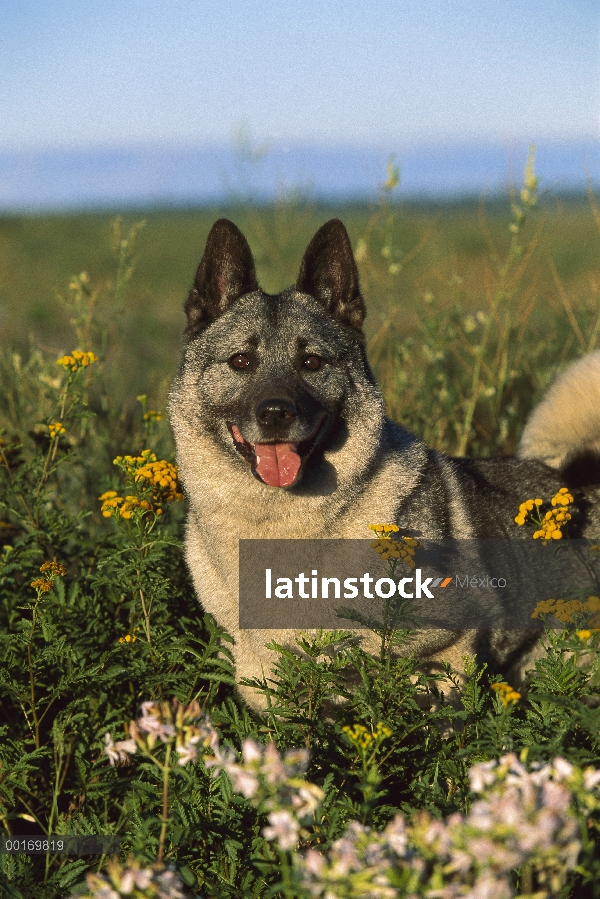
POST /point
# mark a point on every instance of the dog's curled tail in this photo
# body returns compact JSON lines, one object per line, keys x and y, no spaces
{"x":565,"y":426}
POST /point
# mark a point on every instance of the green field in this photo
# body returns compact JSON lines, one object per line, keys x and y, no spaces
{"x":447,"y":258}
{"x":472,"y":310}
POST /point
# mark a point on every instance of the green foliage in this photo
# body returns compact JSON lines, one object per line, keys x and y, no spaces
{"x":123,"y":625}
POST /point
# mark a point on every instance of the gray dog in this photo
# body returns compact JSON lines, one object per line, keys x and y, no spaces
{"x":281,"y":433}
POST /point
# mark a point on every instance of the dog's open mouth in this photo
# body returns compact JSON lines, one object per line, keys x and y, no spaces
{"x":276,"y":464}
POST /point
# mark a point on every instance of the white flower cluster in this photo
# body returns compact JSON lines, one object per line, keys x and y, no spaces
{"x":164,"y":722}
{"x":133,"y":881}
{"x":359,"y":864}
{"x":276,"y":783}
{"x":519,"y":818}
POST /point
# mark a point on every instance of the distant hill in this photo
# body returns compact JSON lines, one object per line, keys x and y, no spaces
{"x":145,"y":176}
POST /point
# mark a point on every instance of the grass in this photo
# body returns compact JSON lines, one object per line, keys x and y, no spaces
{"x":443,"y":251}
{"x":471,"y":312}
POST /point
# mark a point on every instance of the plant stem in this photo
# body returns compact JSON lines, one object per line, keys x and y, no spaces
{"x":165,"y":820}
{"x":146,"y":615}
{"x":32,"y":678}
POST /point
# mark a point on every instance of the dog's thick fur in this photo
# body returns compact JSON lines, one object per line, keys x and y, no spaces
{"x":281,"y":433}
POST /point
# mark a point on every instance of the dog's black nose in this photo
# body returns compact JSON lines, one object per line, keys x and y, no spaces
{"x":275,"y":414}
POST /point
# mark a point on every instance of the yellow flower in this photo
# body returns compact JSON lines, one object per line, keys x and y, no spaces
{"x":52,"y":570}
{"x":552,"y":523}
{"x":156,"y":481}
{"x":128,"y":638}
{"x":381,"y":529}
{"x":158,"y":473}
{"x":362,"y":739}
{"x":550,"y":526}
{"x":76,"y":360}
{"x":56,"y":568}
{"x":382,"y":732}
{"x":110,"y":503}
{"x":584,"y":635}
{"x":544,"y":607}
{"x":562,"y":498}
{"x":42,"y":584}
{"x":358,"y":735}
{"x":525,"y":508}
{"x":564,"y":610}
{"x":56,"y":428}
{"x":402,"y":548}
{"x":506,"y":693}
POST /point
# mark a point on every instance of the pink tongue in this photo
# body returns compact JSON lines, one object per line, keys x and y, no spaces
{"x":277,"y":464}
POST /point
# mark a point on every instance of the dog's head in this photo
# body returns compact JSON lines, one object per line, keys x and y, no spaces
{"x":276,"y":371}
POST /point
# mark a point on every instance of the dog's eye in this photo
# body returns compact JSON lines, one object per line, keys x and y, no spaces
{"x":312,"y":362}
{"x":240,"y":362}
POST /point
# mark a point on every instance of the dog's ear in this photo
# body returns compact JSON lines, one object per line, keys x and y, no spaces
{"x":226,"y":272}
{"x":329,"y":274}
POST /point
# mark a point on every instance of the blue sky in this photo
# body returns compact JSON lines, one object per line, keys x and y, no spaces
{"x":382,"y":73}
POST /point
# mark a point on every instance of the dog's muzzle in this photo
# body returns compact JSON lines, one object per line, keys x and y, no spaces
{"x":276,"y":463}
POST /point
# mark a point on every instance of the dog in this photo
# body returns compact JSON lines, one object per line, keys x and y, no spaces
{"x":281,"y":433}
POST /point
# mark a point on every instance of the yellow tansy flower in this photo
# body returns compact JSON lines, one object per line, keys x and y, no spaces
{"x":76,"y":360}
{"x":54,"y":567}
{"x":52,"y":570}
{"x":362,"y":738}
{"x":562,"y":498}
{"x":506,"y":694}
{"x":156,"y":479}
{"x":56,"y":428}
{"x":42,"y":584}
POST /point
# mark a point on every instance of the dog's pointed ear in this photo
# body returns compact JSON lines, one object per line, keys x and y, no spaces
{"x":329,"y":274}
{"x":226,"y":272}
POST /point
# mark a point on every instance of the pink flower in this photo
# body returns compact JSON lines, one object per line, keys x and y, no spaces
{"x":118,"y":752}
{"x":273,"y":767}
{"x":251,"y":752}
{"x":396,"y":836}
{"x":244,"y":782}
{"x":135,"y":877}
{"x":591,"y":779}
{"x":482,"y":775}
{"x":306,"y":799}
{"x":188,"y":752}
{"x":284,"y":828}
{"x":151,"y":723}
{"x":562,"y":769}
